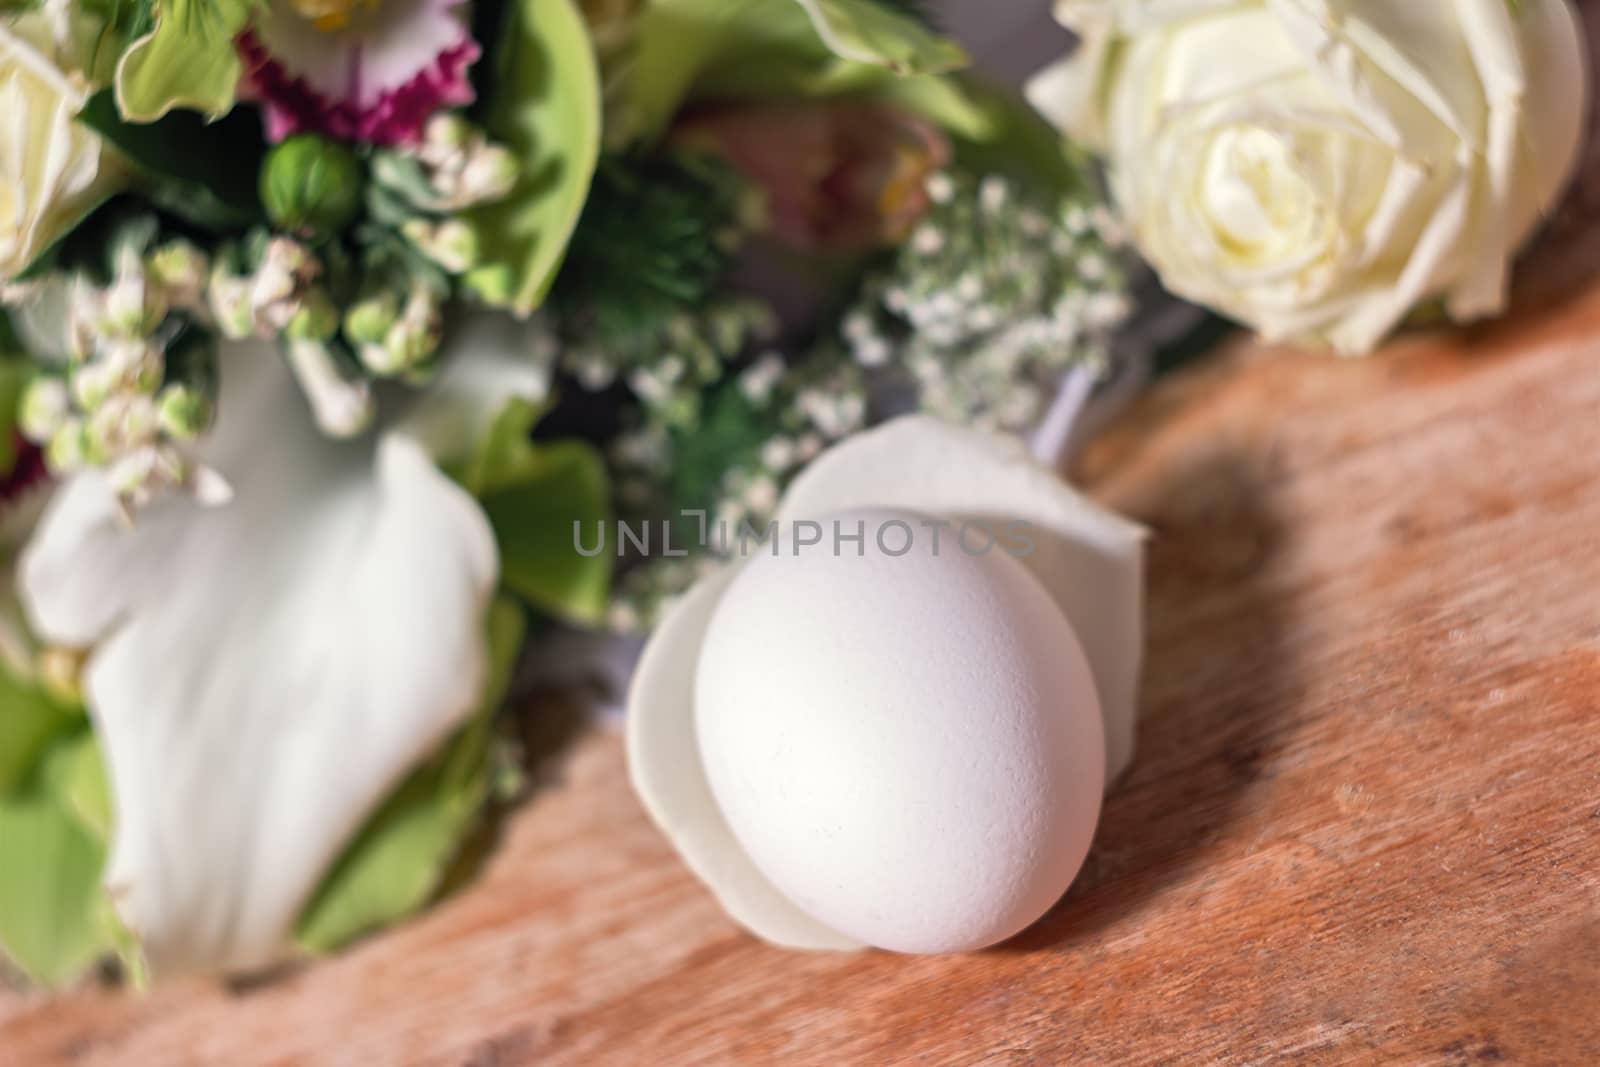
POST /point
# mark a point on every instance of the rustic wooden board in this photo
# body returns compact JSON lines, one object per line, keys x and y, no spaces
{"x":1364,"y":825}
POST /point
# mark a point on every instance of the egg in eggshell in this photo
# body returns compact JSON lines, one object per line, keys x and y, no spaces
{"x":888,"y":730}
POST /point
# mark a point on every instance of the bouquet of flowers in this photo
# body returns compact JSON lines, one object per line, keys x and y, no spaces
{"x":331,"y":321}
{"x":339,"y":333}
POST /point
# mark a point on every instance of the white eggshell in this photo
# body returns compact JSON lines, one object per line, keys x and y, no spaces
{"x":909,"y":748}
{"x":1089,"y":559}
{"x":664,"y":762}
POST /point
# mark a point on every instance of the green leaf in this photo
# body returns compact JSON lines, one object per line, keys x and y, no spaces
{"x":187,"y":61}
{"x":872,"y":33}
{"x":396,"y":864}
{"x":547,"y":110}
{"x":204,"y":172}
{"x":768,"y":48}
{"x":1005,"y":135}
{"x":55,"y":920}
{"x":533,"y":493}
{"x":29,"y":721}
{"x":76,"y":774}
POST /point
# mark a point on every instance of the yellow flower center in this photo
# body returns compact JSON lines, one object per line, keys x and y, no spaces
{"x":331,"y":15}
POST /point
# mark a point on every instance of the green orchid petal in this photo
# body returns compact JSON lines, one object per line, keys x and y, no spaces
{"x":187,"y":61}
{"x":768,"y":48}
{"x":398,"y":862}
{"x":547,"y":110}
{"x":868,"y":32}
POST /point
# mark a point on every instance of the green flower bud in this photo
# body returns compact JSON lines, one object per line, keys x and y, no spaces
{"x":68,"y":451}
{"x":452,"y":244}
{"x":46,"y":406}
{"x":368,"y":321}
{"x":311,"y":185}
{"x":184,"y":413}
{"x":92,"y":384}
{"x":181,"y":270}
{"x":232,"y":308}
{"x":414,"y":339}
{"x":316,"y":320}
{"x":131,"y":307}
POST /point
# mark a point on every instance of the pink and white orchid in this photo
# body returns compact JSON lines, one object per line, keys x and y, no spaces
{"x":359,"y":70}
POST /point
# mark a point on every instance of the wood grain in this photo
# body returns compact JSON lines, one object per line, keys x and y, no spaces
{"x":1364,"y":825}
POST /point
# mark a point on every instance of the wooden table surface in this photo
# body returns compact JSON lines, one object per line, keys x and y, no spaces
{"x":1364,"y":825}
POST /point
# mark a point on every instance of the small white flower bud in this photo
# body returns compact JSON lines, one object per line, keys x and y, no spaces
{"x":230,"y":301}
{"x":84,"y":304}
{"x":452,"y":244}
{"x":993,"y":194}
{"x":132,"y":307}
{"x":941,"y":189}
{"x":490,"y":174}
{"x":414,"y":338}
{"x":316,"y":320}
{"x":447,"y":132}
{"x":92,"y":383}
{"x":184,"y":412}
{"x":342,"y":408}
{"x":123,"y":424}
{"x":135,"y":365}
{"x":46,"y":406}
{"x":68,"y":451}
{"x":379,"y":361}
{"x":140,"y":475}
{"x":287,"y":269}
{"x":368,"y":321}
{"x":180,"y":270}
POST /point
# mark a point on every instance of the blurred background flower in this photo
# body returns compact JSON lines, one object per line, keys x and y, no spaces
{"x":1348,"y":161}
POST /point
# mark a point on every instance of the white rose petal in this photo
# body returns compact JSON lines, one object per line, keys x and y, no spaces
{"x":1318,"y":168}
{"x":53,"y":169}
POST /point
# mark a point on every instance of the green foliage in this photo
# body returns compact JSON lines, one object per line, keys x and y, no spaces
{"x":730,"y":436}
{"x":1002,"y":134}
{"x":203,"y":172}
{"x":397,"y":863}
{"x":692,"y":48}
{"x":187,"y":60}
{"x":55,"y":920}
{"x":50,"y":900}
{"x":882,"y":35}
{"x":30,"y":719}
{"x":547,"y":111}
{"x":656,"y":238}
{"x":533,"y":493}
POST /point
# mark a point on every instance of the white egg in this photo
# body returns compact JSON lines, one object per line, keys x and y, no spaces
{"x":905,"y":745}
{"x":910,"y":747}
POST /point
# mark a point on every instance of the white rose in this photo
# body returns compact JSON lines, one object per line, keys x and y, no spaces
{"x":53,"y":169}
{"x":1316,"y":168}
